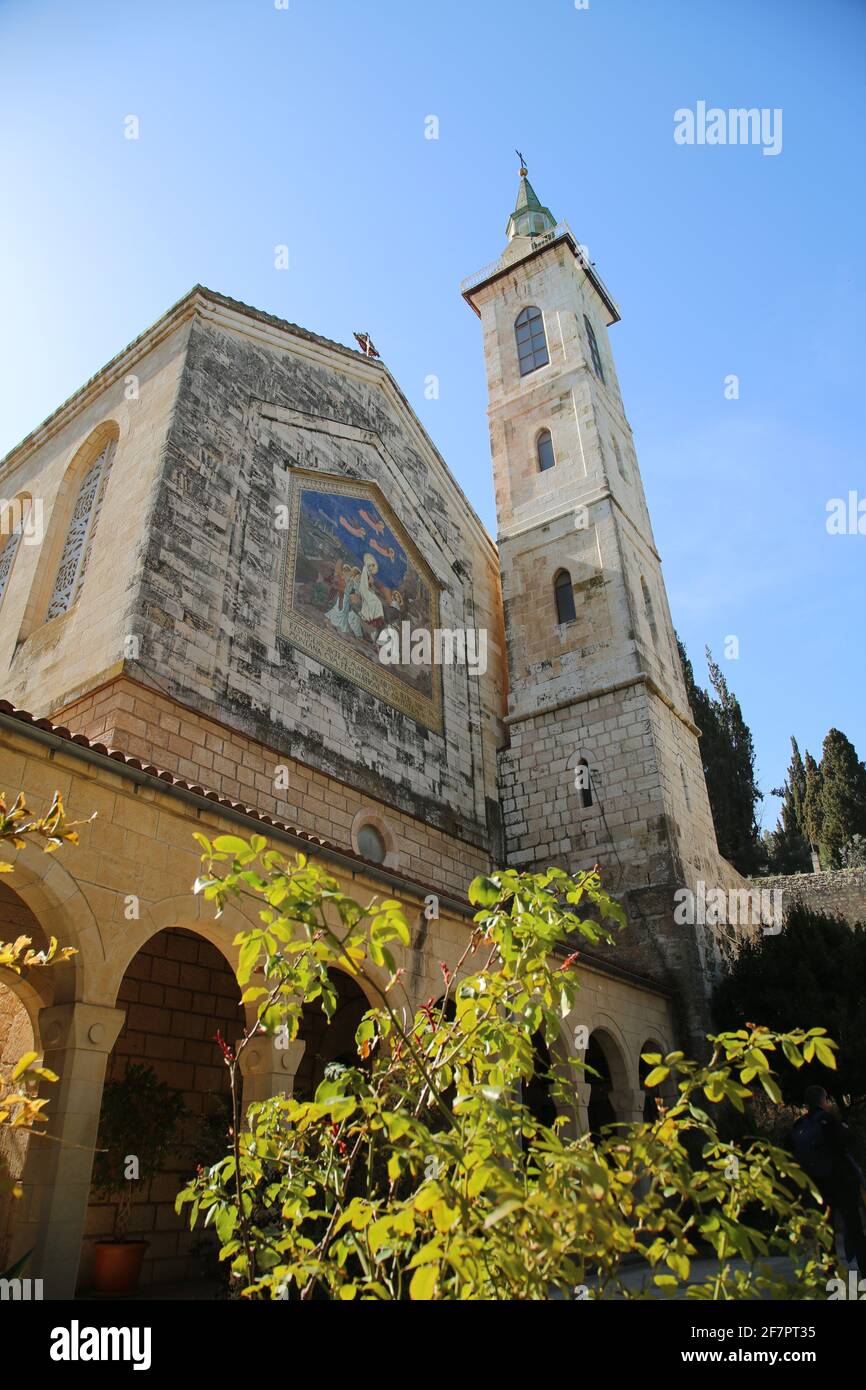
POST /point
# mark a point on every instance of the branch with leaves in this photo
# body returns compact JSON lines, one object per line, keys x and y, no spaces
{"x":19,"y":1107}
{"x":421,"y":1171}
{"x":18,"y":824}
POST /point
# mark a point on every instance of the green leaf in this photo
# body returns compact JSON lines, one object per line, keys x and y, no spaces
{"x":771,"y":1087}
{"x":483,"y":891}
{"x":378,"y":1233}
{"x":423,"y":1283}
{"x":231,"y":844}
{"x":225,"y":1222}
{"x":254,"y":992}
{"x":825,"y":1054}
{"x":249,"y":954}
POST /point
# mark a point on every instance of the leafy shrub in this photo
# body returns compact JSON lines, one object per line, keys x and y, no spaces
{"x":421,"y":1172}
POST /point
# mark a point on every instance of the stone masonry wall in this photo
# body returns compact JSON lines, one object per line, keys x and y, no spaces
{"x":544,"y":817}
{"x":635,"y":829}
{"x":127,"y":715}
{"x":45,"y":664}
{"x":185,"y":579}
{"x":841,"y":891}
{"x":252,"y":405}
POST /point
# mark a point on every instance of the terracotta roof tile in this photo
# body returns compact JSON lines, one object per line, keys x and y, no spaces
{"x":118,"y":755}
{"x":162,"y":774}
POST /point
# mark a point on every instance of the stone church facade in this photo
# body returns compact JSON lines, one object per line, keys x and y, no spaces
{"x":217,"y":530}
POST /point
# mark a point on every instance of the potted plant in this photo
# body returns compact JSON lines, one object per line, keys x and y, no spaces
{"x":138,"y":1128}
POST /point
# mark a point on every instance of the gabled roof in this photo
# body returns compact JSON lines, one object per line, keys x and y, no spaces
{"x":196,"y":300}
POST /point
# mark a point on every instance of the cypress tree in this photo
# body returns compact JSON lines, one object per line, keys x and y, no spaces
{"x":728,"y":757}
{"x":842,"y":796}
{"x":812,"y":808}
{"x":788,"y":845}
{"x":797,"y":785}
{"x":742,"y":837}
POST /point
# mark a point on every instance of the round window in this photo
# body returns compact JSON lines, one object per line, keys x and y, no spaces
{"x":371,"y":845}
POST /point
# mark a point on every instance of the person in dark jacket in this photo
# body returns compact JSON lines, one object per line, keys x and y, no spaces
{"x":822,"y":1147}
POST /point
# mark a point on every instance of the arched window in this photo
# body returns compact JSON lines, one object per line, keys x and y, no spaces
{"x":583,"y":782}
{"x":648,"y":606}
{"x":371,"y":844}
{"x":564,"y":595}
{"x":544,"y":449}
{"x":81,"y":533}
{"x":531,"y":342}
{"x":593,"y":349}
{"x":13,"y":519}
{"x":619,"y":461}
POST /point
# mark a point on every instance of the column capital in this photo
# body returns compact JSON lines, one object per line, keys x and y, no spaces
{"x":628,"y":1104}
{"x":265,"y":1055}
{"x":93,"y":1027}
{"x":269,"y":1069}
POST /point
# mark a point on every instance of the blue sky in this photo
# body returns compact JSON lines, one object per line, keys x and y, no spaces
{"x":305,"y":127}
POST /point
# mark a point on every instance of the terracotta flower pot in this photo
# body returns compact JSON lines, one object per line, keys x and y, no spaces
{"x":117,"y":1265}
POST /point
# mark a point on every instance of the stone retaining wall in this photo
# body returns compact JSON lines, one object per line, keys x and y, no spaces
{"x":839,"y":891}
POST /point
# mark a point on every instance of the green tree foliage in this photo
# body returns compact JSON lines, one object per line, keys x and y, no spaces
{"x":728,"y":757}
{"x":420,"y":1172}
{"x":20,"y":1108}
{"x":814,"y":968}
{"x":788,"y":846}
{"x":833,"y":810}
{"x":139,"y":1119}
{"x":796,"y":783}
{"x":853,"y":855}
{"x":842,"y":796}
{"x":812,"y":803}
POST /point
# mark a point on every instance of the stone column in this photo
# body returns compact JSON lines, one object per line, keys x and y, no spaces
{"x":628,"y":1104}
{"x":77,"y":1039}
{"x":583,"y":1087}
{"x":268,"y":1069}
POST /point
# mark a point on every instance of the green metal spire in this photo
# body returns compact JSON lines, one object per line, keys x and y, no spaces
{"x":529,"y":217}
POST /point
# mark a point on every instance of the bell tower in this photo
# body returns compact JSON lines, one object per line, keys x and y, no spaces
{"x":602,"y":762}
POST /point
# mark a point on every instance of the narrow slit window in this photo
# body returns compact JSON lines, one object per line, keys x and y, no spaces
{"x":685,"y":788}
{"x":650,"y":611}
{"x":583,"y":781}
{"x":593,"y":349}
{"x":564,"y":594}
